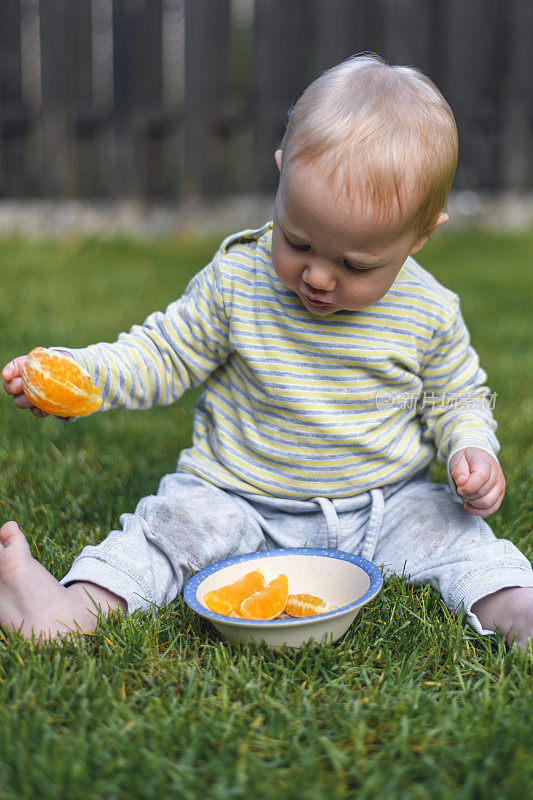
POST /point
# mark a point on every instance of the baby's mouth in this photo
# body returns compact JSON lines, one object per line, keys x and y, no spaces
{"x":315,"y":301}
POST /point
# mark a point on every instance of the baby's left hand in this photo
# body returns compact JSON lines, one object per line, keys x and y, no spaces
{"x":479,"y":479}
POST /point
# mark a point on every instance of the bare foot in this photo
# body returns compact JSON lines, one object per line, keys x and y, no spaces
{"x":33,"y":601}
{"x":510,"y":611}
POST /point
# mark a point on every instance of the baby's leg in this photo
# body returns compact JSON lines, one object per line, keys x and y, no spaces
{"x":429,"y":537}
{"x":189,"y":524}
{"x":32,"y":600}
{"x":186,"y":526}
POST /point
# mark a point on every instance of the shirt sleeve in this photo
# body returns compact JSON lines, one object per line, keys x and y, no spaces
{"x":156,"y":362}
{"x":455,"y":404}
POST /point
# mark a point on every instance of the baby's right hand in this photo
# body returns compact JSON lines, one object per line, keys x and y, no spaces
{"x":12,"y":379}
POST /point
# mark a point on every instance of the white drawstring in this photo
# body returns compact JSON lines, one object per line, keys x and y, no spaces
{"x":332,"y":521}
{"x":374,"y":522}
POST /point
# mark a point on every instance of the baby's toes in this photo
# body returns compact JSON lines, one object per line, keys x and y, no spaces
{"x":12,"y":538}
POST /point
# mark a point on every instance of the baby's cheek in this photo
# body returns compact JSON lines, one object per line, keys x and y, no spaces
{"x":377,"y":291}
{"x":282,"y":273}
{"x":363,"y":297}
{"x":284,"y":269}
{"x":278,"y":260}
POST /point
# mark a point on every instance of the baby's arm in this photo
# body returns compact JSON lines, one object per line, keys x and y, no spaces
{"x":156,"y":362}
{"x":455,"y":413}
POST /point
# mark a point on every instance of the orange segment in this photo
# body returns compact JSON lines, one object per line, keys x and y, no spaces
{"x":228,"y":598}
{"x":57,"y":385}
{"x":269,"y":602}
{"x":304,"y":605}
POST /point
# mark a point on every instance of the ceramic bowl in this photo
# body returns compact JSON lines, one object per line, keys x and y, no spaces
{"x":344,"y":581}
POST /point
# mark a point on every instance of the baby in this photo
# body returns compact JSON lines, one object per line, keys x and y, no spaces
{"x":335,"y":369}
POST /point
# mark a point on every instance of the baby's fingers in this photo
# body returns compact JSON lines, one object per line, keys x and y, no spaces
{"x":13,"y":370}
{"x":493,"y":481}
{"x":21,"y":401}
{"x":482,"y":512}
{"x":14,"y":387}
{"x":12,"y":380}
{"x":488,"y":504}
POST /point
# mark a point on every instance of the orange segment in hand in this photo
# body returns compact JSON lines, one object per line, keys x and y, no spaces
{"x":269,"y":602}
{"x":304,"y":605}
{"x":227,"y":599}
{"x":56,"y":384}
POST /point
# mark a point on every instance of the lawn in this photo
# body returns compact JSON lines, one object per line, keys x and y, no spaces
{"x":410,"y":703}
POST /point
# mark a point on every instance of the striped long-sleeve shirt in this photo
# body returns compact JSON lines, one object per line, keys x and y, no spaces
{"x":296,"y":405}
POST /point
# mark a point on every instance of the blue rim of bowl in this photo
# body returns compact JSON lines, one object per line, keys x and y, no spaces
{"x":373,"y":572}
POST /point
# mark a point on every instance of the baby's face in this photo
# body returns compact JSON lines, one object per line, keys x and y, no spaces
{"x":332,"y":253}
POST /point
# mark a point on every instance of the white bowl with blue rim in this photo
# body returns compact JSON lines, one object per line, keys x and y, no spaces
{"x":345,"y":582}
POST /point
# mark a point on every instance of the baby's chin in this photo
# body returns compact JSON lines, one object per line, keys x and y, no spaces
{"x":324,"y":312}
{"x":327,"y":309}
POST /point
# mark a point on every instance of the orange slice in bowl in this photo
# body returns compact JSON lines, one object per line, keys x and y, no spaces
{"x":267,"y":603}
{"x":227,"y":599}
{"x":304,"y":605}
{"x":56,"y":384}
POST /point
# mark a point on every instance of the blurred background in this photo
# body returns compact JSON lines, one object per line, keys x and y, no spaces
{"x":180,"y":104}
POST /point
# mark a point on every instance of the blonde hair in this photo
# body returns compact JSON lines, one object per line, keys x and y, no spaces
{"x":387,"y":127}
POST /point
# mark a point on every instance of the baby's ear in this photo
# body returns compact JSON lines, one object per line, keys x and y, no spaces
{"x":442,"y":218}
{"x":278,"y":155}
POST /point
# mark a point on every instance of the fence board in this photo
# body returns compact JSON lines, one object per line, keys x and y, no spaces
{"x":82,"y":119}
{"x":139,"y":117}
{"x":340,"y":31}
{"x":207,"y":97}
{"x":406,"y":26}
{"x":516,"y":165}
{"x":473,"y":87}
{"x":14,"y":116}
{"x":126,"y":32}
{"x":62,"y":80}
{"x":281,"y":73}
{"x":150,"y":113}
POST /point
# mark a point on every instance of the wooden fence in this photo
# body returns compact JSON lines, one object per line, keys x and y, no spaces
{"x":170,"y":98}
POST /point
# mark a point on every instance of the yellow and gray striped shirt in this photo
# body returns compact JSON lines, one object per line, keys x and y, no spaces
{"x":296,"y":405}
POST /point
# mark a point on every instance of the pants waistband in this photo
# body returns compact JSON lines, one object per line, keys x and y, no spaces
{"x":374,"y":523}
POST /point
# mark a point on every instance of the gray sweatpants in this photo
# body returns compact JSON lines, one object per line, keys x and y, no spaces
{"x":413,"y":528}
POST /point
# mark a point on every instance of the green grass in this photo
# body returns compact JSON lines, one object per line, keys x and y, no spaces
{"x":408,"y":704}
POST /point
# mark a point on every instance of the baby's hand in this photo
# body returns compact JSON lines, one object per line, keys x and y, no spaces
{"x":12,"y":380}
{"x":479,"y":479}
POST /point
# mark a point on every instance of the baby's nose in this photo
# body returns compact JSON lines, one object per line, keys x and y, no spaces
{"x":320,"y":276}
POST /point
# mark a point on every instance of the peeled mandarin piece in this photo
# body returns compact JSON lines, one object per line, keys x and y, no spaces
{"x":304,"y":605}
{"x":56,"y":384}
{"x":228,"y":598}
{"x":269,"y":602}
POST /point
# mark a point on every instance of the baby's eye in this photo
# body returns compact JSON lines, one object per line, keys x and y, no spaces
{"x":295,"y":246}
{"x":358,"y":270}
